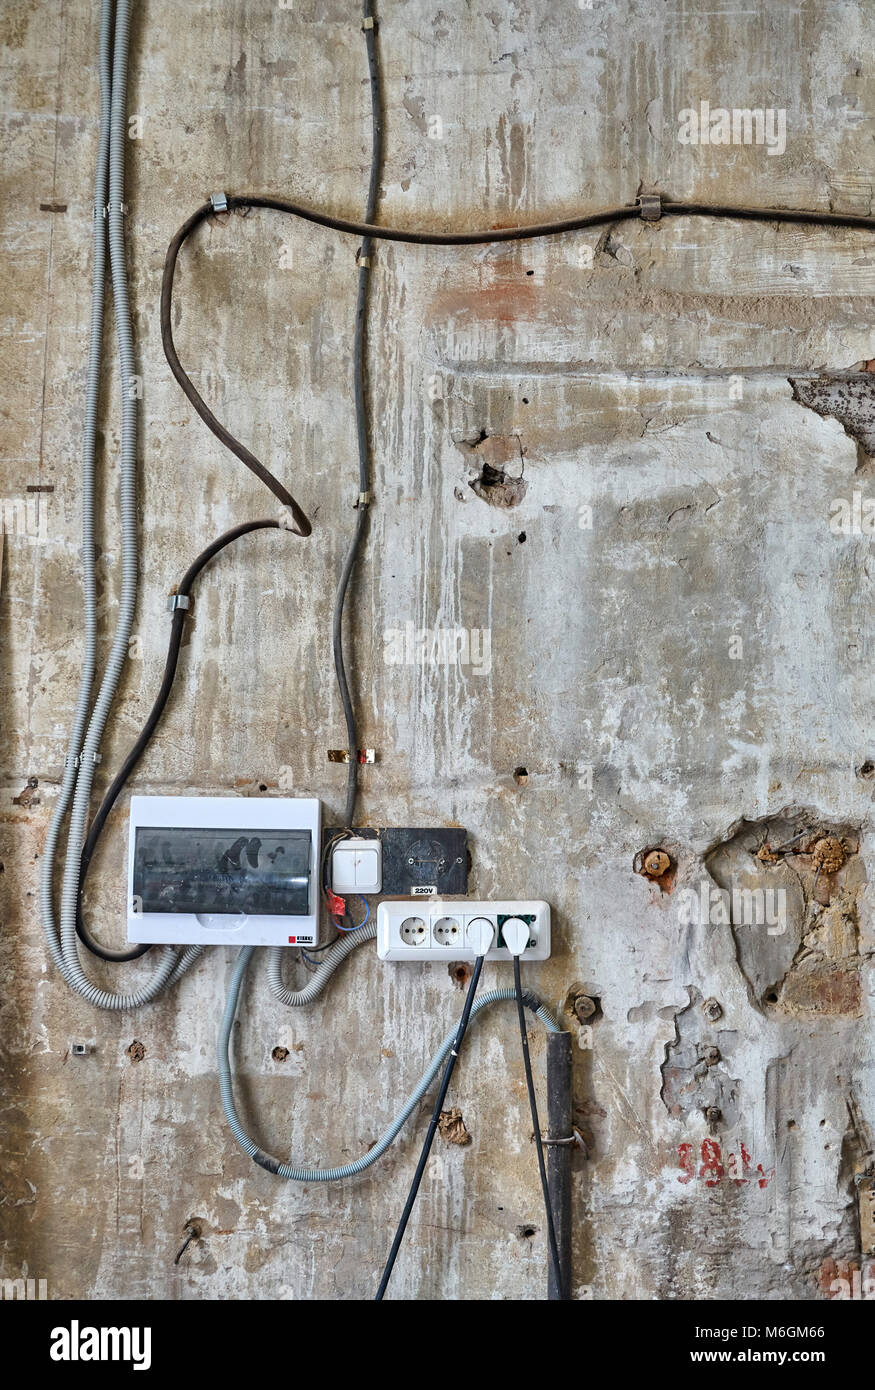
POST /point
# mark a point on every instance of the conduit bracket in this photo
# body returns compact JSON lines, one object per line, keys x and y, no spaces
{"x":341,"y":755}
{"x":650,"y":205}
{"x":368,"y":23}
{"x":219,"y":202}
{"x":175,"y":601}
{"x":364,"y":499}
{"x":576,"y":1138}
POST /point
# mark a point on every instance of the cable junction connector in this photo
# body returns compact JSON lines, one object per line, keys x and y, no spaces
{"x":219,"y":202}
{"x":175,"y":601}
{"x":650,"y":205}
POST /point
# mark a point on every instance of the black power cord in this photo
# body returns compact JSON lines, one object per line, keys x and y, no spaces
{"x":432,"y":1129}
{"x":176,"y":629}
{"x":539,"y":1146}
{"x":369,"y":231}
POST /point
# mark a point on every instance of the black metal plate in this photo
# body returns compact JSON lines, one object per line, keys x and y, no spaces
{"x":415,"y":857}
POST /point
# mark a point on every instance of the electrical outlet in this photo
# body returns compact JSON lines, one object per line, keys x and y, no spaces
{"x":447,"y":931}
{"x":413,"y":932}
{"x":435,"y":930}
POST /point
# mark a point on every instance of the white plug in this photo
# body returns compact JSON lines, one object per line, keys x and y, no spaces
{"x":515,"y":935}
{"x":480,"y":935}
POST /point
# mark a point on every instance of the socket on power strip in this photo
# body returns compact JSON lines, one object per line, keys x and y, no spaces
{"x":432,"y":929}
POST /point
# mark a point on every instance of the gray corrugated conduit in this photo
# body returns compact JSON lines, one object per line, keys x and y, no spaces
{"x":317,"y":984}
{"x":83,"y":752}
{"x":337,"y":952}
{"x":92,"y":393}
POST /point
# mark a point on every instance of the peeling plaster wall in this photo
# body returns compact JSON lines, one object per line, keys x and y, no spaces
{"x":679,"y":641}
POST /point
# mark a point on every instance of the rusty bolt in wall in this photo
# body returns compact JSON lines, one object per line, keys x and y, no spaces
{"x":657,"y":866}
{"x":584,"y":1007}
{"x":712,"y":1009}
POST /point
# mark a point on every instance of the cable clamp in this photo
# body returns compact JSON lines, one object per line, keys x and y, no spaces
{"x":175,"y":601}
{"x":96,"y":758}
{"x":575,"y":1138}
{"x":368,"y":23}
{"x":115,"y":207}
{"x":219,"y":202}
{"x":650,"y":206}
{"x":364,"y":499}
{"x":363,"y":262}
{"x":70,"y":761}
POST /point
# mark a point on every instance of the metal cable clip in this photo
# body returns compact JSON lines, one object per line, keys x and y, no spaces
{"x":71,"y":761}
{"x":117,"y":207}
{"x":368,"y":23}
{"x":363,"y":262}
{"x":574,"y":1138}
{"x":175,"y":601}
{"x":364,"y":499}
{"x":219,"y":202}
{"x":650,"y":205}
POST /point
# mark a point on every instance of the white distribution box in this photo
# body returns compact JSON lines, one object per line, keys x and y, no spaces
{"x":224,"y":870}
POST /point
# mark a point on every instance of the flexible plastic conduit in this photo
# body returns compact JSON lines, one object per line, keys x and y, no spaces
{"x":92,"y":393}
{"x":111,"y":159}
{"x":297,"y":998}
{"x":349,"y":1170}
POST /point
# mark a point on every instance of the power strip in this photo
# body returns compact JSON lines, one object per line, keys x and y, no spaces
{"x":428,"y":929}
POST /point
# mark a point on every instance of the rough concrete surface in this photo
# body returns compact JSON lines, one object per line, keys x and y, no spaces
{"x":680,"y":643}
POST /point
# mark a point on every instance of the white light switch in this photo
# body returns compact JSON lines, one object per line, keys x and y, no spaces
{"x":357,"y":866}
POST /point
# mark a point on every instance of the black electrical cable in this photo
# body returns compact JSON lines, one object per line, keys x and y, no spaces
{"x":300,"y":522}
{"x":539,"y":1144}
{"x":370,"y":231}
{"x":176,"y":629}
{"x":362,"y":424}
{"x":432,"y":1129}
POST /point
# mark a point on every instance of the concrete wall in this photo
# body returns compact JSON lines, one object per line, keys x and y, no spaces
{"x":689,"y":672}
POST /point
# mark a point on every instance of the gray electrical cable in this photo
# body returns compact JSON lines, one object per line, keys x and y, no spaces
{"x":358,"y":1165}
{"x":92,"y":394}
{"x":83,"y":751}
{"x":337,"y":952}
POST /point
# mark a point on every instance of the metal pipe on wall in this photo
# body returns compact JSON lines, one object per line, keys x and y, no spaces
{"x":560,"y":1136}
